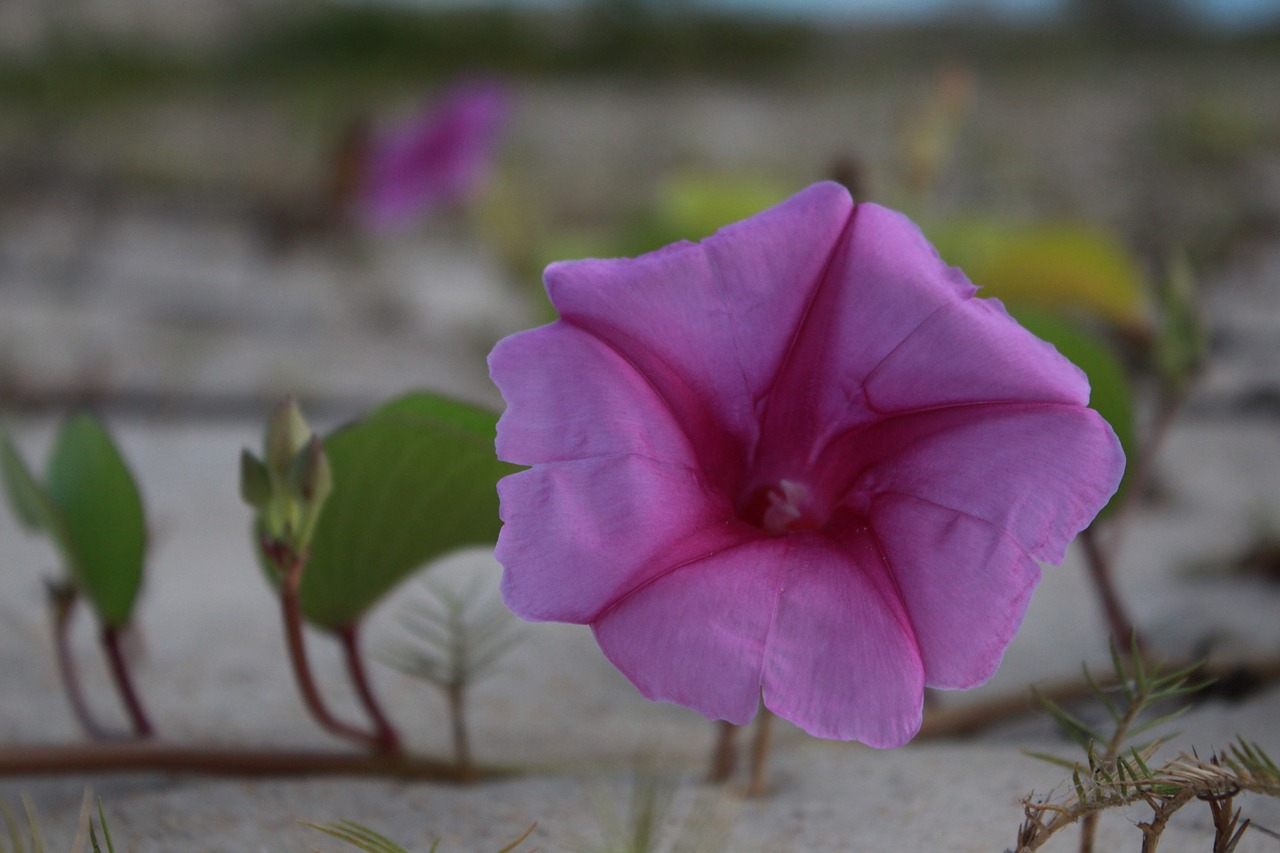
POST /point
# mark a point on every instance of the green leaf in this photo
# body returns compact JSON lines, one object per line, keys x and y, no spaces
{"x":1071,"y":725}
{"x":93,"y":491}
{"x":1110,"y":393}
{"x":413,"y":480}
{"x":255,"y":481}
{"x":28,"y":500}
{"x":1048,"y":266}
{"x":1066,"y":763}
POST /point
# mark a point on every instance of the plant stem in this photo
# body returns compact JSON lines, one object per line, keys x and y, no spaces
{"x":124,"y":682}
{"x":760,"y":752}
{"x":152,"y":757}
{"x":1119,"y":624}
{"x":291,"y":611}
{"x":724,"y":759}
{"x":456,"y":695}
{"x":64,"y":604}
{"x":385,"y":736}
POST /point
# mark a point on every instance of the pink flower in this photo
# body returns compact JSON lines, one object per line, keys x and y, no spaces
{"x":437,"y":159}
{"x":797,"y":460}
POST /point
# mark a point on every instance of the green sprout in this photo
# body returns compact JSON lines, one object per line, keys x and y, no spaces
{"x":457,"y":638}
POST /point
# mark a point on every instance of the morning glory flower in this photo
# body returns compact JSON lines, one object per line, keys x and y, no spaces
{"x":438,"y":158}
{"x":798,"y":461}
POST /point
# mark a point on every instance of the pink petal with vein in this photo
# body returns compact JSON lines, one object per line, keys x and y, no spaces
{"x":677,"y":641}
{"x":571,"y":396}
{"x":709,"y":323}
{"x":1039,"y":472}
{"x":577,"y":536}
{"x":965,"y":585}
{"x":842,"y":662}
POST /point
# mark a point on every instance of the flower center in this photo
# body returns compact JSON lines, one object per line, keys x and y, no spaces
{"x":782,"y":508}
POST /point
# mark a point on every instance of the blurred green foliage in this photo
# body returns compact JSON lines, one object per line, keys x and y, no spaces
{"x":90,"y":507}
{"x":349,"y":50}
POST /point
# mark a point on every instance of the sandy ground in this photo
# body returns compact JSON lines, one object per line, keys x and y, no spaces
{"x":175,"y":306}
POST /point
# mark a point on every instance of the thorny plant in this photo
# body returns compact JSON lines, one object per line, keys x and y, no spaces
{"x":86,"y":831}
{"x":457,"y":637}
{"x":1116,"y":773}
{"x":366,"y":839}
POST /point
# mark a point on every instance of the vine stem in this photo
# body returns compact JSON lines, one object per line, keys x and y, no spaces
{"x":1119,"y":623}
{"x":64,"y":604}
{"x":151,"y":757}
{"x":724,"y":758}
{"x":760,"y":752}
{"x":291,"y":566}
{"x":456,"y":696}
{"x":386,"y":738}
{"x":124,"y":682}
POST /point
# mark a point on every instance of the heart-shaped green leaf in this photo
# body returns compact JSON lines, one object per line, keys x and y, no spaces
{"x":1110,"y":393}
{"x":412,"y":481}
{"x":94,"y":494}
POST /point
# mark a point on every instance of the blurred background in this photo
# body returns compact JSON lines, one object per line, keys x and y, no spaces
{"x":180,"y":229}
{"x":208,"y":204}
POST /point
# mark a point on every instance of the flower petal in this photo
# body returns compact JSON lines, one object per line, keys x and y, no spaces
{"x":709,"y":323}
{"x":972,"y":352}
{"x":570,"y":396}
{"x":437,"y":158}
{"x":964,"y":582}
{"x":884,"y":281}
{"x":577,"y":536}
{"x":842,"y":662}
{"x":1041,"y":471}
{"x":696,"y":635}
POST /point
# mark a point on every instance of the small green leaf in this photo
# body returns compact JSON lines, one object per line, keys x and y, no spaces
{"x":28,"y":500}
{"x":1066,"y":763}
{"x":94,"y":493}
{"x":255,"y":482}
{"x":1071,"y":725}
{"x":413,"y":480}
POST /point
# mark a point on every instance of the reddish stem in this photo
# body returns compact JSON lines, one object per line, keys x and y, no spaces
{"x":760,"y":752}
{"x":386,"y":739}
{"x":124,"y":682}
{"x":150,"y":757}
{"x":1123,"y":631}
{"x":63,"y":606}
{"x":724,"y":759}
{"x":290,"y":566}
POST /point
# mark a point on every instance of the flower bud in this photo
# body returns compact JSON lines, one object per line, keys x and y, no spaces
{"x":287,"y":434}
{"x":310,"y":476}
{"x":255,"y":481}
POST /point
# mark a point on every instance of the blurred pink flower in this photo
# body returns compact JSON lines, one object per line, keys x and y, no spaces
{"x":439,"y":158}
{"x":797,"y":460}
